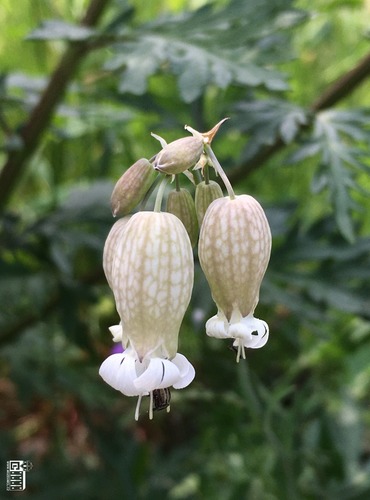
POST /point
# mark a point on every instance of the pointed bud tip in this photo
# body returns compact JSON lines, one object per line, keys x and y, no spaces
{"x":208,"y":136}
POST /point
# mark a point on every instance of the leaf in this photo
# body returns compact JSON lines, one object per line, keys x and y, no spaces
{"x":203,"y":48}
{"x":55,"y":29}
{"x":143,"y":61}
{"x":319,"y":181}
{"x":341,"y":140}
{"x":307,"y":150}
{"x":266,"y":120}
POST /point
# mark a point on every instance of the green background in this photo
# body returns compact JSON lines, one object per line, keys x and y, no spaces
{"x":293,"y":420}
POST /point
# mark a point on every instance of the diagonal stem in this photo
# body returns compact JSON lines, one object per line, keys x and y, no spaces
{"x":42,"y":113}
{"x":337,"y":91}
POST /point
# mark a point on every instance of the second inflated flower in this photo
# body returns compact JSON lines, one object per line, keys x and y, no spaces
{"x":234,"y":250}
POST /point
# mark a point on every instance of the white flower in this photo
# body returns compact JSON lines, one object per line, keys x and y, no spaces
{"x":234,"y":250}
{"x":150,"y":269}
{"x":127,"y":374}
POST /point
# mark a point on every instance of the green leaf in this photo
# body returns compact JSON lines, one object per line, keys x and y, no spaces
{"x":203,"y":48}
{"x":268,"y":119}
{"x":341,"y":141}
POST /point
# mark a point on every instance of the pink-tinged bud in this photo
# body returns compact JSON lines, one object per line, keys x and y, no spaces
{"x":204,"y":195}
{"x":132,"y":187}
{"x":234,"y":250}
{"x":179,"y":155}
{"x":181,"y":204}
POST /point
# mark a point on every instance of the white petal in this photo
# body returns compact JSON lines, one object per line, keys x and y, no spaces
{"x":262,"y":340}
{"x":127,"y":375}
{"x":186,"y":376}
{"x":109,"y":369}
{"x":119,"y":371}
{"x":253,"y":332}
{"x":182,"y":364}
{"x":116,"y":331}
{"x":171,"y":376}
{"x":216,"y":327}
{"x":160,"y":373}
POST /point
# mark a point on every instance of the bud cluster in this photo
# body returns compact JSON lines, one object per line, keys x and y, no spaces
{"x":148,"y":263}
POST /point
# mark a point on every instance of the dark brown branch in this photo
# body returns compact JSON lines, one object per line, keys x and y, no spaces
{"x":42,"y":113}
{"x":335,"y":92}
{"x":343,"y":86}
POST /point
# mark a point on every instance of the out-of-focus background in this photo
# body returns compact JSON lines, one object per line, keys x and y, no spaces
{"x":83,"y":83}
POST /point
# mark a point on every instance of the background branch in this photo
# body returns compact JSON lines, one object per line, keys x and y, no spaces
{"x":338,"y":90}
{"x":42,"y":113}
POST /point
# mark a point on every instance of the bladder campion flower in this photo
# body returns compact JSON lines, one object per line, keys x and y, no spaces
{"x":234,"y":250}
{"x":151,"y":274}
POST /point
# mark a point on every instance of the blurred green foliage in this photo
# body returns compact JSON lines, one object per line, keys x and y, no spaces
{"x":293,"y":420}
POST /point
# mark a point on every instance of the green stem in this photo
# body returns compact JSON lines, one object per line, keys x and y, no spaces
{"x":149,"y":193}
{"x":160,"y":193}
{"x":177,"y":182}
{"x":206,"y":174}
{"x":220,"y":171}
{"x":197,"y":176}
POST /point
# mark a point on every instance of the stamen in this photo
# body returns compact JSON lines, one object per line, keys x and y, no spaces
{"x":168,"y":409}
{"x":138,"y":407}
{"x":243,"y":351}
{"x":239,"y":351}
{"x":151,"y":405}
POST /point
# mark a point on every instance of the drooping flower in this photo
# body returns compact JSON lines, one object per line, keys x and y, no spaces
{"x":151,"y":274}
{"x":234,"y":250}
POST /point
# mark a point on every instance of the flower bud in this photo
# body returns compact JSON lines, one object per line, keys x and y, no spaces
{"x":234,"y":250}
{"x":204,"y":195}
{"x":181,"y":204}
{"x":179,"y":155}
{"x":132,"y":186}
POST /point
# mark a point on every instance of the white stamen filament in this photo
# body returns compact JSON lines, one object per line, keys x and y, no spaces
{"x":151,"y":406}
{"x":241,"y":351}
{"x":137,"y":410}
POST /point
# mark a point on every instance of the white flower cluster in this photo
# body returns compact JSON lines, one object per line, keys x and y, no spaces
{"x":148,"y":263}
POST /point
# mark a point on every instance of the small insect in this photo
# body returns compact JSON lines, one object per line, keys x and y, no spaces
{"x":161,"y":399}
